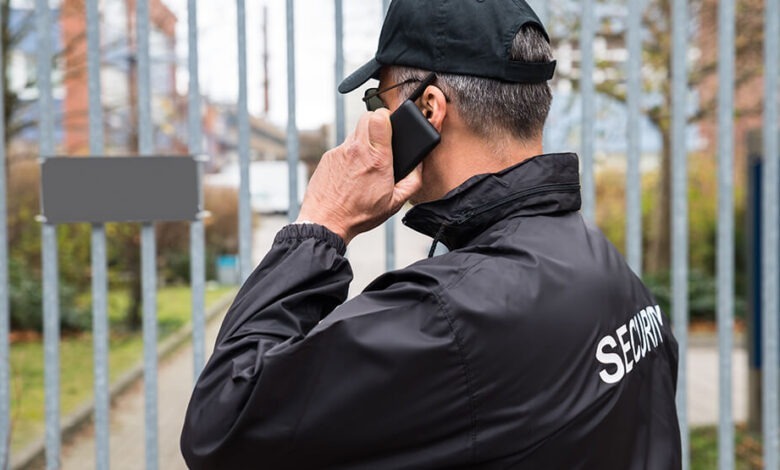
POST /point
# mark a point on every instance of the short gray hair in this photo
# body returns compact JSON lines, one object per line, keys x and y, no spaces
{"x":492,"y":107}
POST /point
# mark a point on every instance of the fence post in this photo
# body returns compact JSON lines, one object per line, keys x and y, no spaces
{"x":5,"y":321}
{"x":148,"y":242}
{"x":197,"y":231}
{"x":51,"y":301}
{"x":99,"y":266}
{"x":390,"y":263}
{"x":340,"y":111}
{"x":725,"y":261}
{"x":634,"y":109}
{"x":292,"y":126}
{"x":680,"y":211}
{"x":245,"y":196}
{"x":770,"y":221}
{"x":587,"y":91}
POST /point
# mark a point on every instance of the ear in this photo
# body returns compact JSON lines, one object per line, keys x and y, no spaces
{"x":434,"y":106}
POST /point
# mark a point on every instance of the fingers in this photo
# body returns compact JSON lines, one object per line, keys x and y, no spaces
{"x":361,"y":131}
{"x":380,"y":132}
{"x":374,"y":129}
{"x":407,"y":187}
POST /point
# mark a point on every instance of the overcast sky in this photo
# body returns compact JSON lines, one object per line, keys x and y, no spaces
{"x":315,"y":52}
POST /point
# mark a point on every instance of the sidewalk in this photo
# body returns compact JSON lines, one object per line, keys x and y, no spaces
{"x":703,"y":386}
{"x":175,"y":383}
{"x":366,"y":254}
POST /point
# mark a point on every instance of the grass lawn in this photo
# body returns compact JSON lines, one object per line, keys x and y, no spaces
{"x":76,"y":366}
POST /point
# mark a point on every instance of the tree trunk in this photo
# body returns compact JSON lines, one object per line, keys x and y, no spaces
{"x":659,"y":256}
{"x":133,"y":314}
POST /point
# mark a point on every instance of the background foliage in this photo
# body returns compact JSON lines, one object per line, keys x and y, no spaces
{"x":173,"y":258}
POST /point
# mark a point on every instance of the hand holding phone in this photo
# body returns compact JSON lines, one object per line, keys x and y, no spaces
{"x":414,"y":137}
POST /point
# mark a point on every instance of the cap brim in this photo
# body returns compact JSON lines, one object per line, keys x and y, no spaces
{"x":360,"y":76}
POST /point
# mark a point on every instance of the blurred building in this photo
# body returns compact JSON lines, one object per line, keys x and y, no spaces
{"x":21,"y":72}
{"x":267,"y":141}
{"x":70,"y":77}
{"x":119,"y":81}
{"x":268,"y":169}
{"x":119,"y":77}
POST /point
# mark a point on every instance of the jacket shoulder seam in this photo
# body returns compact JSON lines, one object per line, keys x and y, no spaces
{"x":467,"y":376}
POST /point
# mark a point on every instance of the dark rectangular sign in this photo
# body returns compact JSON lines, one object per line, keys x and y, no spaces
{"x":119,"y":189}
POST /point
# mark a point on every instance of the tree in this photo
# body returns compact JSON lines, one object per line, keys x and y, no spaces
{"x":657,"y":81}
{"x":11,"y":36}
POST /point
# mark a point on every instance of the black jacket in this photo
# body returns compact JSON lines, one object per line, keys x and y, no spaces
{"x":531,"y":345}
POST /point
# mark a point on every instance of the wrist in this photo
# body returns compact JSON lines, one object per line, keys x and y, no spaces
{"x":334,"y":227}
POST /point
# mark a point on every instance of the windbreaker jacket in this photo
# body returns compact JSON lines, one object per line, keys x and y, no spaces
{"x":531,"y":345}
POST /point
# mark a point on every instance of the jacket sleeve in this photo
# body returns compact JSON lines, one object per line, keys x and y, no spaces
{"x":379,"y":380}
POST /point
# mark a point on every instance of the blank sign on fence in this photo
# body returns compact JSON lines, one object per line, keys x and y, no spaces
{"x":119,"y":189}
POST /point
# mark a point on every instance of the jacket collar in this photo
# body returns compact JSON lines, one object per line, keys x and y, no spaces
{"x":546,"y":184}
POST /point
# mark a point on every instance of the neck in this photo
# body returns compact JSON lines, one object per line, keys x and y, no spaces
{"x":468,"y":155}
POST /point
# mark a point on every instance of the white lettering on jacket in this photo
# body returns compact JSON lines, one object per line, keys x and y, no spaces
{"x":622,"y":351}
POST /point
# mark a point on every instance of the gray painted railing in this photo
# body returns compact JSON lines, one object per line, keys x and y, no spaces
{"x":148,"y":242}
{"x":99,"y":267}
{"x":5,"y":320}
{"x":51,"y":303}
{"x":725,"y":309}
{"x":680,"y":210}
{"x":771,"y":238}
{"x":634,"y":88}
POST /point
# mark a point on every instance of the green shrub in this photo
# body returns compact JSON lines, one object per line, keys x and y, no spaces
{"x":26,"y":302}
{"x":702,"y":295}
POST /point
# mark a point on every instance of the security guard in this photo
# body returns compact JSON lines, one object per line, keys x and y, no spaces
{"x":530,"y":345}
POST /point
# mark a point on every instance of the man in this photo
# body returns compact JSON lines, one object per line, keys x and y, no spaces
{"x":529,"y":345}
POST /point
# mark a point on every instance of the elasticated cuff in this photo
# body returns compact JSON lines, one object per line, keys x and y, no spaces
{"x":316,"y":231}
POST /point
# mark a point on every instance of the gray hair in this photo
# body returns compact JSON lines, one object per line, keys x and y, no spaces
{"x":489,"y":107}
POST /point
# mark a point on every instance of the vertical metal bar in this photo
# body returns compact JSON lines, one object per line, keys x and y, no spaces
{"x":340,"y":111}
{"x":99,"y":266}
{"x":771,"y":281}
{"x":680,"y":210}
{"x":542,"y":9}
{"x":634,"y":98}
{"x":292,"y":126}
{"x":51,"y":314}
{"x":588,"y":92}
{"x":390,"y":263}
{"x":148,"y":242}
{"x":725,"y":308}
{"x":5,"y":363}
{"x":245,"y":210}
{"x":197,"y":231}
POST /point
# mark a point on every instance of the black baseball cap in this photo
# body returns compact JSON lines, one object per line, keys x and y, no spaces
{"x":464,"y":37}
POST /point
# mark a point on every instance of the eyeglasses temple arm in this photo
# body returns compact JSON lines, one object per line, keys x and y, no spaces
{"x":420,"y":89}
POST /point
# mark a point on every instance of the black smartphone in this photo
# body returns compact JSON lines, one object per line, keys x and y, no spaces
{"x":413,"y":136}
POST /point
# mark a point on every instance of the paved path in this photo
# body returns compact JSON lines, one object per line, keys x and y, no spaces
{"x":367,"y":256}
{"x":703,"y":385}
{"x":127,"y":419}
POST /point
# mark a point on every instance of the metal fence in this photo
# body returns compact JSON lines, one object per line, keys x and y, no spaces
{"x":725,"y":234}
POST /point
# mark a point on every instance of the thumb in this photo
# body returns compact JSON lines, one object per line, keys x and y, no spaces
{"x":406,"y":188}
{"x":380,"y":132}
